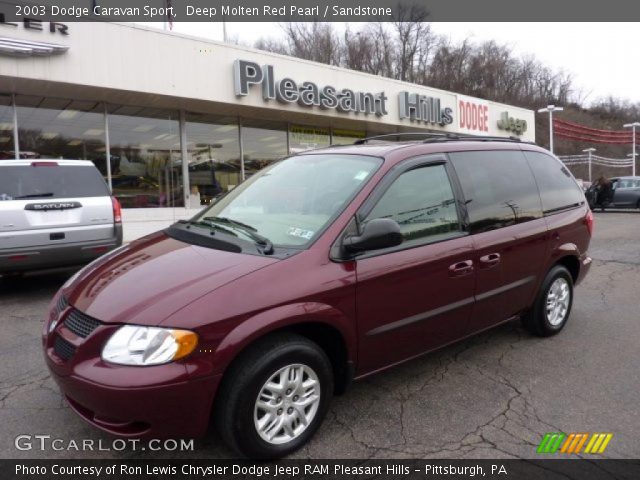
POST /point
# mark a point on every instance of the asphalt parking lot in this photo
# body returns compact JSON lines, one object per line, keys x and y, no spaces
{"x":493,"y":396}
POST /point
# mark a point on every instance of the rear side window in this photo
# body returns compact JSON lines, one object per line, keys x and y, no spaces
{"x":27,"y":182}
{"x":422,"y":202}
{"x":498,"y":187}
{"x":628,"y":183}
{"x":558,"y":189}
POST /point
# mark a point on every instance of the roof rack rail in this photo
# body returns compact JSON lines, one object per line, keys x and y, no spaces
{"x":439,"y":137}
{"x":388,"y":136}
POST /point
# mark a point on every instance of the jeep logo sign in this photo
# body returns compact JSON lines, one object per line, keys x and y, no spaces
{"x":510,"y":124}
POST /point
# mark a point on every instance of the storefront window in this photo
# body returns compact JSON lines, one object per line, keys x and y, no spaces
{"x":146,"y":165}
{"x":213,"y":149}
{"x":6,"y":128}
{"x":303,"y":138}
{"x":346,"y":137}
{"x":61,"y":128}
{"x":263,"y":143}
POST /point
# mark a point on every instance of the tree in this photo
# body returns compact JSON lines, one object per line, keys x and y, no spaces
{"x":408,"y":49}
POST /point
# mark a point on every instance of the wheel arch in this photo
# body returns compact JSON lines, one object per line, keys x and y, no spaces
{"x":568,"y":255}
{"x":571,"y":263}
{"x":320,"y":323}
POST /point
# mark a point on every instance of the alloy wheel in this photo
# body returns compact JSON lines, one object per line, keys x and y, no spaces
{"x":558,"y":300}
{"x":287,"y":404}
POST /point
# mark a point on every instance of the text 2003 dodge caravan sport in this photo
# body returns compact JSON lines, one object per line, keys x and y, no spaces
{"x":325,"y":267}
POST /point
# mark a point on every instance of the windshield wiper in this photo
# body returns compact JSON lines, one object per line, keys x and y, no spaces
{"x":251,"y":232}
{"x":229,"y":221}
{"x":209,"y":224}
{"x":35,"y":195}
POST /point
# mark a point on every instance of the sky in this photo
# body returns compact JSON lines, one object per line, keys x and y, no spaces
{"x":600,"y":57}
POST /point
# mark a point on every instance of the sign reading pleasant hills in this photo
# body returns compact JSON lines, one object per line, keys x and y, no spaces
{"x":415,"y":107}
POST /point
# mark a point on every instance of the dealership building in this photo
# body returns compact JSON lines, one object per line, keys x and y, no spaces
{"x":182,"y":119}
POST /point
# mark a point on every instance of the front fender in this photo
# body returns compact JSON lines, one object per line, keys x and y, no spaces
{"x":278,"y":318}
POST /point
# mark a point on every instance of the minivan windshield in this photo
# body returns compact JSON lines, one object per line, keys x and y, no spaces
{"x":290,"y":202}
{"x":26,"y":182}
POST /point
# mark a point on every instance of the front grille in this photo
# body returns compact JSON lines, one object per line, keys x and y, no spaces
{"x":81,"y":324}
{"x":63,"y":349}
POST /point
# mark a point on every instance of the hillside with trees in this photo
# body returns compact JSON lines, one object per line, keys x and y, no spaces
{"x":410,"y":50}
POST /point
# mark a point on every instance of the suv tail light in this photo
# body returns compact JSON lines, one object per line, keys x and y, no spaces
{"x":44,"y":164}
{"x":117,"y":211}
{"x":588,"y":221}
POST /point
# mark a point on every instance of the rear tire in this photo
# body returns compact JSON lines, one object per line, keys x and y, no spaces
{"x":274,"y":397}
{"x":552,"y":306}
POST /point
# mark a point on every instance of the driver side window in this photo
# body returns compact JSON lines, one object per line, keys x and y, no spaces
{"x":421,"y":201}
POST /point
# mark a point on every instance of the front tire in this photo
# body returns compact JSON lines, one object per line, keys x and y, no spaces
{"x":552,"y":305}
{"x":274,"y":397}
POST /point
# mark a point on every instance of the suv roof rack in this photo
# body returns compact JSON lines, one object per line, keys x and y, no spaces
{"x":439,"y":137}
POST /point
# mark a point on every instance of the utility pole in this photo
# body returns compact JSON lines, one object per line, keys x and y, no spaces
{"x":589,"y":151}
{"x":550,"y":109}
{"x":633,"y":157}
{"x":633,"y":152}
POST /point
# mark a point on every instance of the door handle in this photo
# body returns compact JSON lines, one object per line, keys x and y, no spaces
{"x":490,"y":260}
{"x":461,"y":268}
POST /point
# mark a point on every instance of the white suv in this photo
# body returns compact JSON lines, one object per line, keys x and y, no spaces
{"x":54,"y":213}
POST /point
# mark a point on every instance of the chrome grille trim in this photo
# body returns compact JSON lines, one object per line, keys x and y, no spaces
{"x":81,"y":324}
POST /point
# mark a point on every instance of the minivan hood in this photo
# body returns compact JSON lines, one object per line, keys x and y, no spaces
{"x":154,"y":277}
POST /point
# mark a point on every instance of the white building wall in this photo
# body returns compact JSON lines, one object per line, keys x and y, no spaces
{"x":133,"y":59}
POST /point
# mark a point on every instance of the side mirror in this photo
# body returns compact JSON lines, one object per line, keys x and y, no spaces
{"x":377,"y":234}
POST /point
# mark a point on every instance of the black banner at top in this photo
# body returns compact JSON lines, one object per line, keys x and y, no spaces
{"x":319,"y":10}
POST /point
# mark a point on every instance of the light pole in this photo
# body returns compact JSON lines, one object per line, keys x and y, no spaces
{"x":633,"y":156}
{"x":589,"y":151}
{"x":550,"y":109}
{"x":633,"y":126}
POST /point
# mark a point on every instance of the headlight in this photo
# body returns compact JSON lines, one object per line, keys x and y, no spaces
{"x":135,"y":345}
{"x":53,"y":324}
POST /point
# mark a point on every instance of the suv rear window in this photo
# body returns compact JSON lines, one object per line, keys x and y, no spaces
{"x":558,"y":189}
{"x":498,"y":187}
{"x":61,"y":181}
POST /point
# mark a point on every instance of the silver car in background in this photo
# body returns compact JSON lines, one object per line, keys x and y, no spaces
{"x":54,"y":213}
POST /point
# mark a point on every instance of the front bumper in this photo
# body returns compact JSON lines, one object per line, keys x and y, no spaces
{"x":160,"y":401}
{"x":179,"y":410}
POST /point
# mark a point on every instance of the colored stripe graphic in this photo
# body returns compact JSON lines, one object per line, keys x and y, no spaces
{"x":598,"y":443}
{"x":551,"y":442}
{"x":543,"y":443}
{"x":558,"y":442}
{"x":574,"y":443}
{"x":568,"y":443}
{"x":581,"y":443}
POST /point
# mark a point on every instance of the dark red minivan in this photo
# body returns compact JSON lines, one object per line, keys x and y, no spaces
{"x":323,"y":268}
